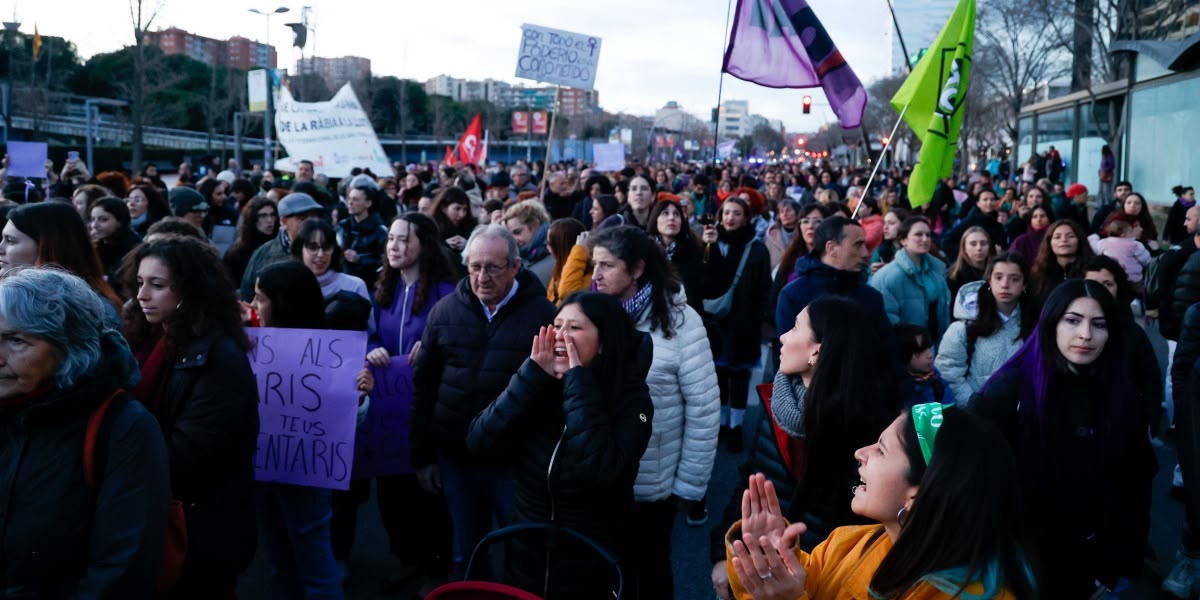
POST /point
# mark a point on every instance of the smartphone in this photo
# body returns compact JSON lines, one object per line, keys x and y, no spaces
{"x":73,"y":155}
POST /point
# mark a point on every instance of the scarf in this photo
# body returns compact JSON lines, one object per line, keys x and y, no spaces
{"x":638,"y":303}
{"x":135,"y":222}
{"x":923,"y":377}
{"x":1187,"y":203}
{"x":155,"y":372}
{"x":787,"y":404}
{"x":670,"y":250}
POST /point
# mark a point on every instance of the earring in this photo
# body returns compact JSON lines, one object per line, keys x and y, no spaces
{"x":812,"y":361}
{"x":179,"y":306}
{"x":902,"y":516}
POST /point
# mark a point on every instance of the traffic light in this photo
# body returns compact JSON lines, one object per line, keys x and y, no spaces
{"x":884,"y":140}
{"x":807,"y":104}
{"x":799,"y":141}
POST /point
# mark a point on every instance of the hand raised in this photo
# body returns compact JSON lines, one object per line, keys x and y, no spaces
{"x":543,"y":349}
{"x":761,"y":515}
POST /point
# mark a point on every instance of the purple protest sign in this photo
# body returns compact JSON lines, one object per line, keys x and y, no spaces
{"x":307,"y":404}
{"x":381,"y":446}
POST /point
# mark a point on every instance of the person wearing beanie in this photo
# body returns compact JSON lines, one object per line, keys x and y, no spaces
{"x":294,"y":209}
{"x":1076,"y":208}
{"x":189,"y":205}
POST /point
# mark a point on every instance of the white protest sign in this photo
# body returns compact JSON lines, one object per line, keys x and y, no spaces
{"x":557,"y":56}
{"x":336,"y":136}
{"x":609,"y":157}
{"x":256,"y":90}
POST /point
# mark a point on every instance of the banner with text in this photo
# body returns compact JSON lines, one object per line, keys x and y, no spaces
{"x":307,"y":404}
{"x":381,"y":447}
{"x":520,"y":122}
{"x":539,"y":122}
{"x":336,"y":136}
{"x":256,"y":89}
{"x":556,"y":56}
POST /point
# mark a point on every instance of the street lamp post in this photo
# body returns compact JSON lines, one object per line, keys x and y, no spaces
{"x":269,"y":119}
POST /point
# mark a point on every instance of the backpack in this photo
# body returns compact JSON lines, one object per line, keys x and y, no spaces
{"x":1156,"y":287}
{"x":175,"y":549}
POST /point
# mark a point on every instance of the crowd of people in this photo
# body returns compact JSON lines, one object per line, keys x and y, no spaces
{"x":959,"y":391}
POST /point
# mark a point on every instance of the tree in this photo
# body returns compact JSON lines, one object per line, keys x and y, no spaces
{"x":142,"y":17}
{"x":767,"y":139}
{"x":1014,"y":56}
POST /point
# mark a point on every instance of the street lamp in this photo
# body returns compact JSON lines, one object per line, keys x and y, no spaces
{"x":269,"y":119}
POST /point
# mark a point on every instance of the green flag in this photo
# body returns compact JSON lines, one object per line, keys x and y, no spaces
{"x":934,"y":93}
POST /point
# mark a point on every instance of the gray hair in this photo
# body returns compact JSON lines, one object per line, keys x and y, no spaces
{"x":59,"y":308}
{"x":513,"y":170}
{"x":492,"y":232}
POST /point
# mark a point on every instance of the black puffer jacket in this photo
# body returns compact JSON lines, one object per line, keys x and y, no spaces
{"x":114,"y":249}
{"x":578,"y":453}
{"x":60,"y":538}
{"x":466,"y":361}
{"x":741,"y":329}
{"x":209,"y":415}
{"x":1185,"y":291}
{"x":369,"y":239}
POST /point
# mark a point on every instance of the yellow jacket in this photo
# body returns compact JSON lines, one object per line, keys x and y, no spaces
{"x":575,"y":276}
{"x":841,"y":567}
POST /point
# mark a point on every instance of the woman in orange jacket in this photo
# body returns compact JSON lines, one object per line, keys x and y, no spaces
{"x":949,"y":522}
{"x":567,"y":241}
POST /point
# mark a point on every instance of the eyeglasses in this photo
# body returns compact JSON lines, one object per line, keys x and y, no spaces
{"x":491,"y":270}
{"x":315,"y":247}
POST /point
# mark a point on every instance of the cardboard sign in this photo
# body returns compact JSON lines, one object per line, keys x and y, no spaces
{"x":27,"y":159}
{"x":557,"y":56}
{"x":382,"y":445}
{"x":307,"y":404}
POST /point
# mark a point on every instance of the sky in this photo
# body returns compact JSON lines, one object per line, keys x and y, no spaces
{"x":653,"y":51}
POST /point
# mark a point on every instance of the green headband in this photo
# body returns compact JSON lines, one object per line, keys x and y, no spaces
{"x":927,"y":418}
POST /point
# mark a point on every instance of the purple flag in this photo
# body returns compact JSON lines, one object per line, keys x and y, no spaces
{"x":781,"y":44}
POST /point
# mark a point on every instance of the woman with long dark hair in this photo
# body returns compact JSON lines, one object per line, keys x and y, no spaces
{"x":944,"y":489}
{"x":1070,"y":412}
{"x":185,"y":330}
{"x":1063,"y":252}
{"x":982,"y":340}
{"x":577,"y":416}
{"x":572,"y":272}
{"x":603,"y":207}
{"x":417,"y":272}
{"x":452,"y":213}
{"x":677,"y":464}
{"x":1174,"y":232}
{"x":740,"y":268}
{"x":110,"y":229}
{"x":221,"y":209}
{"x":259,"y":224}
{"x":1134,"y":205}
{"x":146,"y":207}
{"x":51,"y":233}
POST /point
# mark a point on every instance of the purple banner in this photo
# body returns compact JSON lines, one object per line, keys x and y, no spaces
{"x":307,"y":404}
{"x":782,"y":44}
{"x":381,"y":447}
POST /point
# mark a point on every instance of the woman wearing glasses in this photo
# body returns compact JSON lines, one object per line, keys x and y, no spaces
{"x":316,"y":246}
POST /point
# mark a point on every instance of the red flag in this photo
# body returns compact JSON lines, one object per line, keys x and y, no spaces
{"x":470,"y":143}
{"x":449,"y":161}
{"x":539,"y":122}
{"x":520,"y":122}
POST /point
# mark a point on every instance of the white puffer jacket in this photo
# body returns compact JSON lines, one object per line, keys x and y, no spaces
{"x":687,"y":406}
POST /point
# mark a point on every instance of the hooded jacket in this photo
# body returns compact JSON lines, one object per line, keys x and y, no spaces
{"x":903,"y":286}
{"x":369,"y":239}
{"x":465,"y":363}
{"x":683,"y":385}
{"x":60,"y":538}
{"x":535,"y":256}
{"x":816,"y":279}
{"x":990,"y":353}
{"x":577,"y":452}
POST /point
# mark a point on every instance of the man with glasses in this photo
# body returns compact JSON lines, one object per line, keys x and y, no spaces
{"x":294,"y":209}
{"x":474,"y":340}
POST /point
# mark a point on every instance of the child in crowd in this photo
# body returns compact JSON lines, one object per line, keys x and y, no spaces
{"x":1122,"y":244}
{"x":924,"y":384}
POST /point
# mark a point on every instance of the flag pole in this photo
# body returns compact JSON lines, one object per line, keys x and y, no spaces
{"x":721,"y":81}
{"x":549,"y":141}
{"x":882,"y":151}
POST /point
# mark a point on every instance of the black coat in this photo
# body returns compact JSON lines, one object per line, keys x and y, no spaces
{"x":1185,"y":373}
{"x":369,"y":239}
{"x":975,"y":218}
{"x":465,"y":362}
{"x":741,"y":329}
{"x":578,"y":450}
{"x":688,"y":262}
{"x":562,"y":207}
{"x":114,"y":249}
{"x":60,"y":538}
{"x":1083,"y":495}
{"x":209,"y":416}
{"x":1184,"y":290}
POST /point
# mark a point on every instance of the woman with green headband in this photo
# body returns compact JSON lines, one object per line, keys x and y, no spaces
{"x":944,"y":530}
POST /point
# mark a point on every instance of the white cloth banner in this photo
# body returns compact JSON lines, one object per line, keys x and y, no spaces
{"x":336,"y":135}
{"x":557,"y":56}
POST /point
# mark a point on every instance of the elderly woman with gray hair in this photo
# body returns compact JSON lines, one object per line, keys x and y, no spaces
{"x":82,"y":518}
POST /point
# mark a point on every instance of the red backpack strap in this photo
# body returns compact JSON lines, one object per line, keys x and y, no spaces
{"x":89,"y":439}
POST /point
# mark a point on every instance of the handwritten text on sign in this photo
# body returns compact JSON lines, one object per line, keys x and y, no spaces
{"x":307,"y":404}
{"x":382,"y":447}
{"x":557,"y":56}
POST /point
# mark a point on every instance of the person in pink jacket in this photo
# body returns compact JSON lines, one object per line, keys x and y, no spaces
{"x":1122,"y":244}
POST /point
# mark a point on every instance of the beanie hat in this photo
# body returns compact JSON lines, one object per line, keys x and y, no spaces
{"x":1076,"y":189}
{"x":184,"y":200}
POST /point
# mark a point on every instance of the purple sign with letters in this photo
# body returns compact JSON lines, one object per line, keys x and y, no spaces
{"x":381,"y":447}
{"x":307,"y":404}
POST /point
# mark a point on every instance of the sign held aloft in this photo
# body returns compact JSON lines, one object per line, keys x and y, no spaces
{"x":336,"y":135}
{"x":559,"y":57}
